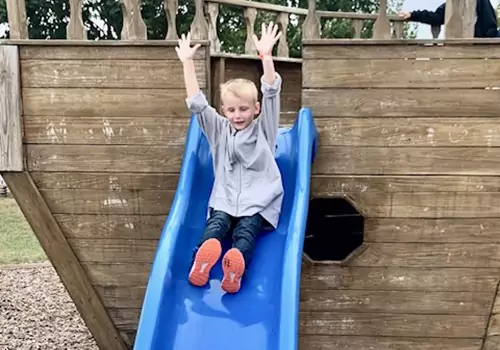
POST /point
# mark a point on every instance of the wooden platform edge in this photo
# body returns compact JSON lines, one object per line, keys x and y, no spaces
{"x":64,"y":260}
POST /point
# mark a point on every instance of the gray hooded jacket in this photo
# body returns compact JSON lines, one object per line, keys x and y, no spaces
{"x":247,"y":178}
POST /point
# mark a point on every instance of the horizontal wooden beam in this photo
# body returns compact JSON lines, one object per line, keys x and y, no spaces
{"x":11,"y":143}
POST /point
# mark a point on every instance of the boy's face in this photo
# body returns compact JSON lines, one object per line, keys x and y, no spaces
{"x":239,"y":111}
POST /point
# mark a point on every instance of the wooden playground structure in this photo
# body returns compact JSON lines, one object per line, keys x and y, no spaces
{"x":92,"y":138}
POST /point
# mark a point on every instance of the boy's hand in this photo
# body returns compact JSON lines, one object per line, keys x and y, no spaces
{"x":184,"y":50}
{"x":268,"y":39}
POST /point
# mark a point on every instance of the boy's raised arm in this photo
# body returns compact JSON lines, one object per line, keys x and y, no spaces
{"x":210,"y":121}
{"x":270,"y":83}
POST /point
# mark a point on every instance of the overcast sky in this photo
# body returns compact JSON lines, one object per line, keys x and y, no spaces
{"x":424,"y":31}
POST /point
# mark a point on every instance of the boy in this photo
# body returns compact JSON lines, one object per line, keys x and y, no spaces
{"x":486,"y":23}
{"x":248,"y":191}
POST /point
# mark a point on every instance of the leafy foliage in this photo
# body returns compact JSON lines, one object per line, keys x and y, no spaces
{"x":47,"y":19}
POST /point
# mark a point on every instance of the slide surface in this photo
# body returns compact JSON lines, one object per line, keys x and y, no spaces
{"x":263,"y":315}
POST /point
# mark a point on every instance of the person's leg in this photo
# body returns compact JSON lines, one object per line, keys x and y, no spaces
{"x":237,"y":259}
{"x":209,"y":249}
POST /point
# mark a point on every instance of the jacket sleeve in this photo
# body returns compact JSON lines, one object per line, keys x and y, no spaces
{"x":211,"y":122}
{"x":269,"y":118}
{"x":435,"y":18}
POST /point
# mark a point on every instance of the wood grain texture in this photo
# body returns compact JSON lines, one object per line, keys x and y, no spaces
{"x":111,"y":158}
{"x":407,"y":161}
{"x":111,"y":226}
{"x":122,"y":274}
{"x":114,"y":251}
{"x":391,"y":73}
{"x":95,"y":102}
{"x":392,"y":278}
{"x":393,"y":50}
{"x":64,"y":260}
{"x":11,"y":150}
{"x":396,"y":302}
{"x":134,"y":202}
{"x":114,"y":130}
{"x":330,"y":160}
{"x":321,"y":185}
{"x":439,"y":230}
{"x":16,"y":11}
{"x":353,"y":102}
{"x":104,"y":181}
{"x":141,"y":130}
{"x":101,"y":51}
{"x":117,"y":73}
{"x":122,"y":297}
{"x":479,"y":255}
{"x":325,"y":342}
{"x":395,"y":325}
{"x":424,"y":204}
{"x":414,"y":132}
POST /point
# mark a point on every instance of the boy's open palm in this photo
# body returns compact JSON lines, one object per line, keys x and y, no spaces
{"x":268,"y":39}
{"x":184,"y":50}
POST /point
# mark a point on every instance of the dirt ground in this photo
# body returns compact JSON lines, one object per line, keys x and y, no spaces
{"x":37,"y":313}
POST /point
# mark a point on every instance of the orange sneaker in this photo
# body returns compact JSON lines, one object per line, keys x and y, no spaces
{"x":206,"y":257}
{"x":233,"y":266}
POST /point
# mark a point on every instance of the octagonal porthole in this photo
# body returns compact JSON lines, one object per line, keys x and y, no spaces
{"x":334,"y":232}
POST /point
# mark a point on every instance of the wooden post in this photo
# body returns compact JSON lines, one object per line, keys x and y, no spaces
{"x":75,"y":29}
{"x":382,"y":27}
{"x":250,"y":15}
{"x":213,"y":13}
{"x":171,"y":7}
{"x":134,"y":27}
{"x":311,"y":28}
{"x":199,"y":26}
{"x":16,"y":13}
{"x":357,"y":27}
{"x":11,"y":143}
{"x":460,"y":18}
{"x":283,"y":20}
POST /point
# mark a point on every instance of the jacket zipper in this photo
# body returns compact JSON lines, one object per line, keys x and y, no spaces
{"x":239,"y":173}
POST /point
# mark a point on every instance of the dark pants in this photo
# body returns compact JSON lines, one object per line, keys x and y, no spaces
{"x":244,"y":231}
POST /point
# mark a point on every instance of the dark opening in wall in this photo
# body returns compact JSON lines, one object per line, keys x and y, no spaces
{"x":335,"y":229}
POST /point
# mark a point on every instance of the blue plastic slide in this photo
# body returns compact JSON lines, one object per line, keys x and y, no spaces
{"x":263,"y":315}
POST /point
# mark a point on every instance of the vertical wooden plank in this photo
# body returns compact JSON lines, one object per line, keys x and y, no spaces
{"x":250,"y":15}
{"x":171,"y":8}
{"x":382,"y":27}
{"x":11,"y":143}
{"x":357,"y":27}
{"x":460,"y":18}
{"x":213,"y":37}
{"x":64,"y":260}
{"x":134,"y":27}
{"x":199,"y":26}
{"x":16,"y":13}
{"x":311,"y":28}
{"x":76,"y":29}
{"x":283,"y":20}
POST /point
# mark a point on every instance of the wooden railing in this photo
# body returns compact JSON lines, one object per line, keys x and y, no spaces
{"x":385,"y":26}
{"x":204,"y":24}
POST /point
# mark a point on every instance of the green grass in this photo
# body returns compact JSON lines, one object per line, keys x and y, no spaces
{"x":18,"y":243}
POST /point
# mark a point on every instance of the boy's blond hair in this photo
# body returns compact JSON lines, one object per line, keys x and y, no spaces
{"x":241,"y":88}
